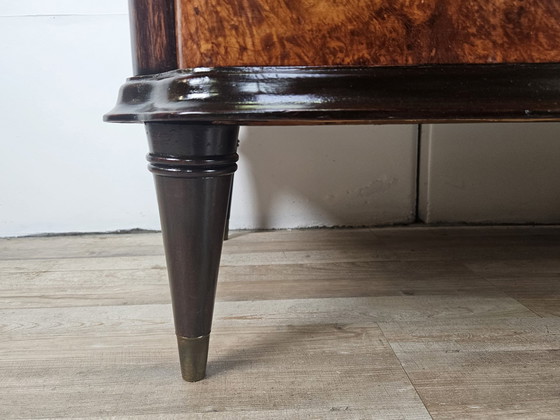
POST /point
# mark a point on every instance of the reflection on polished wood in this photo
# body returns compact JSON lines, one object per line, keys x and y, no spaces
{"x":366,"y":32}
{"x":344,"y":95}
{"x":152,"y":32}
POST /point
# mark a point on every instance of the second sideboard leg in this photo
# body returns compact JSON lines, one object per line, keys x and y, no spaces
{"x":226,"y":231}
{"x":193,"y":167}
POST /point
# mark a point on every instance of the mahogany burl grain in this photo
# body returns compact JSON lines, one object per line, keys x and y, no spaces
{"x":152,"y":30}
{"x":366,"y":32}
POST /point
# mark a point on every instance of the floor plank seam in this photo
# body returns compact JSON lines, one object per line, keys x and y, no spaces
{"x":514,"y":298}
{"x":404,"y":370}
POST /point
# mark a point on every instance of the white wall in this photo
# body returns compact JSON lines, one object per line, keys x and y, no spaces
{"x":490,"y":173}
{"x":64,"y":170}
{"x":333,"y":176}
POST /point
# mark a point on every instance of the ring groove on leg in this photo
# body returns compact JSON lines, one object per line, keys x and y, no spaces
{"x":197,"y":167}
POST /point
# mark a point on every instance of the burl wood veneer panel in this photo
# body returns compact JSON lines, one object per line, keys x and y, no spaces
{"x":366,"y":32}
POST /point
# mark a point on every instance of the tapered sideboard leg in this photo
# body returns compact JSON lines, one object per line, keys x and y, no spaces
{"x":193,"y":167}
{"x":226,"y":231}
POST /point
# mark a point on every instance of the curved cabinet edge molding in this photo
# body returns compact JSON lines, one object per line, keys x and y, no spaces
{"x":322,"y":95}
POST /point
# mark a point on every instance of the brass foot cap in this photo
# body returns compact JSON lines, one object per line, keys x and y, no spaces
{"x":193,"y":354}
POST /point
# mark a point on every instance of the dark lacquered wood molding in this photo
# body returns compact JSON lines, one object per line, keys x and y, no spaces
{"x":317,"y":95}
{"x":152,"y":31}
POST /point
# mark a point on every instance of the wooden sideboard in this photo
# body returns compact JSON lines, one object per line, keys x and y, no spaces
{"x":203,"y":68}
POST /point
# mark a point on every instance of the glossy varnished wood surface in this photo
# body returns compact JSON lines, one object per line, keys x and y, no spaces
{"x":152,"y":30}
{"x":366,"y":32}
{"x":321,"y":95}
{"x":414,"y":323}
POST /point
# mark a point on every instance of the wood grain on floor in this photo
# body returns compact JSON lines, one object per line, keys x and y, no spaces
{"x":393,"y":323}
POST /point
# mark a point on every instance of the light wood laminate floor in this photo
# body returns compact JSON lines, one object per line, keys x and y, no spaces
{"x":392,"y":323}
